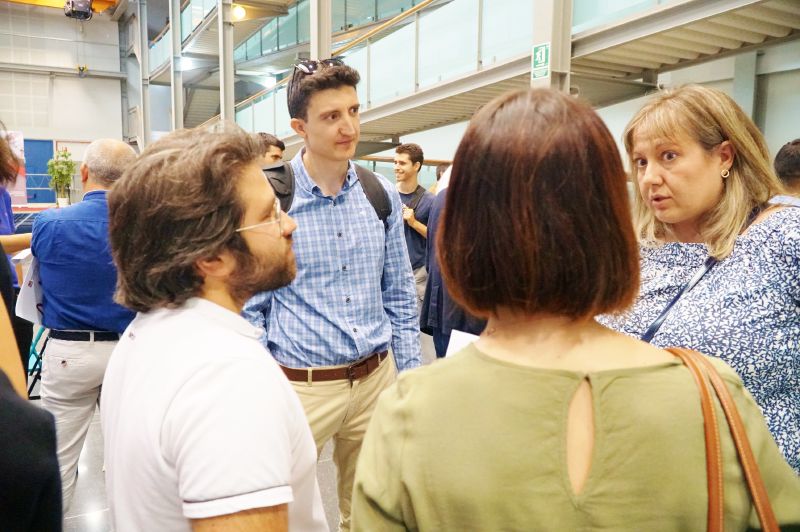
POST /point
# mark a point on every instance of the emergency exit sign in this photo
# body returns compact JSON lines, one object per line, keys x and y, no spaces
{"x":540,"y":61}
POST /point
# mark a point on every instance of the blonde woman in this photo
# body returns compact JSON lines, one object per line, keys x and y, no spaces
{"x":720,"y":266}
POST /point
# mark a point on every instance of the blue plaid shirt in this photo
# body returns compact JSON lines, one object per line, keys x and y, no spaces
{"x":354,"y":292}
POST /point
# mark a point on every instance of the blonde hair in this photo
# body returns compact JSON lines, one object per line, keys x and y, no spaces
{"x":709,"y":117}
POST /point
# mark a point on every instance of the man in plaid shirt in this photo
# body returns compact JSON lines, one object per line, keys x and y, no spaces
{"x":350,"y":316}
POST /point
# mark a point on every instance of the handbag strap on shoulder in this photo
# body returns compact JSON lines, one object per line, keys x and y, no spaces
{"x":704,"y":372}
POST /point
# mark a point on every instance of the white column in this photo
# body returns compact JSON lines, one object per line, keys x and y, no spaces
{"x":744,"y":81}
{"x":227,"y":111}
{"x":144,"y":71}
{"x":176,"y":69}
{"x":551,"y":49}
{"x":320,"y":29}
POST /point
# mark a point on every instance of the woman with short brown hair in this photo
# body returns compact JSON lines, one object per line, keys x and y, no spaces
{"x":549,"y":421}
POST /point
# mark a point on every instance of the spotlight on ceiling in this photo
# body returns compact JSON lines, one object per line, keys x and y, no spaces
{"x":238,"y":12}
{"x":79,"y":9}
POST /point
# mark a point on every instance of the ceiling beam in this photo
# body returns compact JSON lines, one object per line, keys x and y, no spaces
{"x":98,"y":6}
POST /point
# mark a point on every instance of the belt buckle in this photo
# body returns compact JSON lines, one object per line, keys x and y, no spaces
{"x":351,"y":369}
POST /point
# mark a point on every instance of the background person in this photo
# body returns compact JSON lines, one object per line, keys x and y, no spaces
{"x":417,"y":204}
{"x":440,"y":313}
{"x":549,"y":418}
{"x":30,"y":483}
{"x":12,"y":243}
{"x":201,"y":428}
{"x":440,"y":170}
{"x":787,"y":167}
{"x":705,"y":181}
{"x":78,"y":280}
{"x":272,"y":147}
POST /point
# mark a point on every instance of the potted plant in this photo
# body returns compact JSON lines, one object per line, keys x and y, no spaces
{"x":61,"y":168}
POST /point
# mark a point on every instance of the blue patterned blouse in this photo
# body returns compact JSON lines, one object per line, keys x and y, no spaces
{"x":746,"y":311}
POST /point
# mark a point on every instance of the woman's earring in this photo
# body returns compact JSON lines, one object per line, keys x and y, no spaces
{"x":725,"y":174}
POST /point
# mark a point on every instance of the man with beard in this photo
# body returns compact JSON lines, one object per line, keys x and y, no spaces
{"x":202,"y":431}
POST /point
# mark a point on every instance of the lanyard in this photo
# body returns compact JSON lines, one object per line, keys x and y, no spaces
{"x":710,"y":263}
{"x":656,"y":325}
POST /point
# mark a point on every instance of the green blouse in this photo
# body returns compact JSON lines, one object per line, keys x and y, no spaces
{"x":474,"y":443}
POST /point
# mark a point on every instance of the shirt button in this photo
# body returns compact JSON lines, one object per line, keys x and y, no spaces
{"x":339,"y":234}
{"x":355,"y":330}
{"x":344,"y":268}
{"x":347,"y":300}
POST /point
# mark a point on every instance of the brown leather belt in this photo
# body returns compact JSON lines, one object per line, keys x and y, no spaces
{"x":353,"y":372}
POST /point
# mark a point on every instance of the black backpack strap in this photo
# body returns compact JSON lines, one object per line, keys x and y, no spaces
{"x":375,"y":193}
{"x":418,"y":193}
{"x":282,"y":181}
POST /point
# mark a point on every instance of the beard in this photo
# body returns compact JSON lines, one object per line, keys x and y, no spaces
{"x":256,"y":274}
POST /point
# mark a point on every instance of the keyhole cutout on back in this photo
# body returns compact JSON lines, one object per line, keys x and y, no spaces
{"x":580,"y":436}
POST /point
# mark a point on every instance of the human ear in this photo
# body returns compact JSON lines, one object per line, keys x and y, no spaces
{"x":299,"y":126}
{"x":217,"y":267}
{"x":727,"y":153}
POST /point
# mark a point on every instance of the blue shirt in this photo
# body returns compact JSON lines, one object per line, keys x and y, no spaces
{"x":7,"y":225}
{"x":785,"y":200}
{"x":415,"y":242}
{"x":354,"y":292}
{"x":77,"y":273}
{"x":745,"y":310}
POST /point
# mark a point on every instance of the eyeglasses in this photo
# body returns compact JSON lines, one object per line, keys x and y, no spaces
{"x":277,"y":219}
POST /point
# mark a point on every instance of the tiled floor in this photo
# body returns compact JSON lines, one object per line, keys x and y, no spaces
{"x":89,"y":509}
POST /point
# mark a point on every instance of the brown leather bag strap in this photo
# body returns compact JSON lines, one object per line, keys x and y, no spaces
{"x":758,"y":491}
{"x":752,"y":474}
{"x":716,"y":495}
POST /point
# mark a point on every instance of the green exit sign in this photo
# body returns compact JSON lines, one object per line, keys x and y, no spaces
{"x":540,"y":60}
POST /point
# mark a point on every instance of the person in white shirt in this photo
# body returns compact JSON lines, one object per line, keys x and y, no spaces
{"x":202,"y":430}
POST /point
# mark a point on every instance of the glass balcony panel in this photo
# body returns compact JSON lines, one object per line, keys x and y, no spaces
{"x":244,"y":118}
{"x":390,"y":8}
{"x":269,"y":37}
{"x":287,"y":29}
{"x":504,"y":36}
{"x":264,"y":114}
{"x":186,"y":23}
{"x":392,"y":66}
{"x":159,"y":52}
{"x":592,"y":13}
{"x":385,"y":169}
{"x":282,"y":127}
{"x":303,"y":22}
{"x":445,"y":53}
{"x":254,"y":46}
{"x":208,"y":5}
{"x":337,"y":16}
{"x":240,"y":53}
{"x":359,"y":12}
{"x":358,"y":60}
{"x":198,"y":13}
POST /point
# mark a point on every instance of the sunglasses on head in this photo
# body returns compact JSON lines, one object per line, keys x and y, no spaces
{"x":309,"y":66}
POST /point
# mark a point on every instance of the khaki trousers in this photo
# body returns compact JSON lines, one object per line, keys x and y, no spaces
{"x":72,"y":375}
{"x":337,"y":410}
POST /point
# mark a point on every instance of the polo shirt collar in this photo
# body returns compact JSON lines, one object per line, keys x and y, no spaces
{"x":223,"y":316}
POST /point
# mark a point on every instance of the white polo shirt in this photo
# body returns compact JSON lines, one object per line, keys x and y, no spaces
{"x":199,"y":421}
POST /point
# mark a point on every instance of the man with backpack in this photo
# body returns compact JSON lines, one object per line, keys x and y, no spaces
{"x":417,"y":204}
{"x":349,"y":317}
